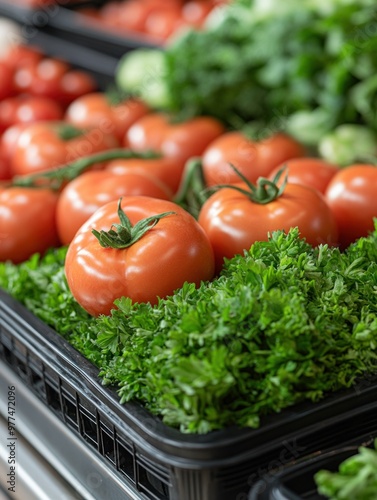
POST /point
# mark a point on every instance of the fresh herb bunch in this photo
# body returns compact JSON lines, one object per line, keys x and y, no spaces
{"x":282,"y":324}
{"x":270,"y":59}
{"x":356,"y":477}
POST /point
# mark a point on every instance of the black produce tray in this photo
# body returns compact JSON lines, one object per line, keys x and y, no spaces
{"x":154,"y":459}
{"x":296,"y":482}
{"x":101,"y":66}
{"x":69,"y":24}
{"x":22,"y":14}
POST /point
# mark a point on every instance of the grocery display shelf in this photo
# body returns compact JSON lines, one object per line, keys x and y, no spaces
{"x":145,"y":456}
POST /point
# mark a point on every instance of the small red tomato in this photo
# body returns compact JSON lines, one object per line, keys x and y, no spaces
{"x":91,"y":190}
{"x":28,"y":109}
{"x":253,"y":159}
{"x":233,"y":221}
{"x":351,"y":195}
{"x":174,"y":249}
{"x":27,"y":222}
{"x":96,"y":110}
{"x":312,"y":172}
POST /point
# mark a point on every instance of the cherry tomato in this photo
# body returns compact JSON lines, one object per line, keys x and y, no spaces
{"x":28,"y":109}
{"x":253,"y":159}
{"x":312,"y":172}
{"x":43,"y":78}
{"x":21,"y":55}
{"x":233,"y":222}
{"x":95,"y":110}
{"x":49,"y":148}
{"x":181,"y":140}
{"x":91,"y":190}
{"x":167,"y":170}
{"x":27,"y":222}
{"x":351,"y":195}
{"x":173,"y":251}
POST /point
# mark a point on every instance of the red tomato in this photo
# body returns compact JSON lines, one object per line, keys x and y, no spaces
{"x":312,"y":172}
{"x":28,"y":109}
{"x":233,"y":222}
{"x":351,"y":195}
{"x":43,"y":78}
{"x":51,"y":150}
{"x":74,"y":84}
{"x":91,"y":190}
{"x":253,"y":159}
{"x":174,"y":251}
{"x":95,"y":110}
{"x":6,"y":82}
{"x":181,"y":140}
{"x":167,"y":170}
{"x":21,"y":55}
{"x":27,"y":222}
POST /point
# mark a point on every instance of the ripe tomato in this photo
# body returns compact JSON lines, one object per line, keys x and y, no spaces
{"x":91,"y":190}
{"x":28,"y":109}
{"x":42,"y":78}
{"x":312,"y":172}
{"x":167,"y":170}
{"x":20,"y":55}
{"x":74,"y":84}
{"x":180,"y":141}
{"x":173,"y":251}
{"x":233,"y":222}
{"x":253,"y":159}
{"x":351,"y":195}
{"x":50,"y":148}
{"x":27,"y":222}
{"x":95,"y":110}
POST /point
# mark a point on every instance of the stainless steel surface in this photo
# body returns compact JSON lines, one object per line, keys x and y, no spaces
{"x":69,"y":462}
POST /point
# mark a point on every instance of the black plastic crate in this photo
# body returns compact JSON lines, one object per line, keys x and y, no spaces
{"x":67,"y":23}
{"x":296,"y":482}
{"x":157,"y":461}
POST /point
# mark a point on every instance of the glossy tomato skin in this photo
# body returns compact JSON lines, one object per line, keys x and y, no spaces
{"x":252,"y":158}
{"x":95,"y":110}
{"x":87,"y":193}
{"x":168,"y":170}
{"x":51,"y":151}
{"x":28,"y":109}
{"x":312,"y":172}
{"x":233,"y":222}
{"x":352,"y":197}
{"x":175,"y":250}
{"x":27,"y":222}
{"x":180,"y":141}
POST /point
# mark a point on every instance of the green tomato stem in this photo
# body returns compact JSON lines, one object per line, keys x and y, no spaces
{"x":125,"y":234}
{"x":55,"y":178}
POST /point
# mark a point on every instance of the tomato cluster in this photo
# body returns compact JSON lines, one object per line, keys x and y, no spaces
{"x":64,"y":176}
{"x":152,"y":18}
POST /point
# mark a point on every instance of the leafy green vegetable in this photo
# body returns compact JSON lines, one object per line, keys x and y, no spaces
{"x":266,"y":60}
{"x":283,"y":323}
{"x":356,"y":478}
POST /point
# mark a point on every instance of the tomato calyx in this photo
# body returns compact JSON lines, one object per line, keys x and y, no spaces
{"x":263,"y":192}
{"x":125,"y":234}
{"x":66,"y":132}
{"x":56,"y":177}
{"x":191,"y":193}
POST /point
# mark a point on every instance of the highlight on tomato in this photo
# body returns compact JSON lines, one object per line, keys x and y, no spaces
{"x":82,"y":196}
{"x":312,"y":172}
{"x":252,"y":158}
{"x":352,"y":197}
{"x":140,"y":247}
{"x":236,"y":216}
{"x":27,"y":222}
